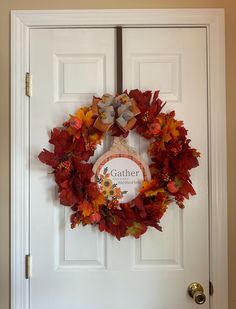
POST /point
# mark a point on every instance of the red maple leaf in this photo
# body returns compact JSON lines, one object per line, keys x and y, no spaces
{"x":186,"y":189}
{"x":78,"y":146}
{"x":93,"y":191}
{"x":140,"y":206}
{"x":155,"y":107}
{"x":149,"y":110}
{"x":127,"y":212}
{"x":187,"y":160}
{"x":48,"y":158}
{"x":67,"y":197}
{"x":141,"y":98}
{"x":84,"y":170}
{"x":155,"y":210}
{"x":61,"y":140}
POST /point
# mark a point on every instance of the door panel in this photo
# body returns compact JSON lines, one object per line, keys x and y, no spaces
{"x":68,"y":68}
{"x":83,"y":268}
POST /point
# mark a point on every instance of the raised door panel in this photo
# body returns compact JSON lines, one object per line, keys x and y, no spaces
{"x":78,"y":77}
{"x":157,"y":71}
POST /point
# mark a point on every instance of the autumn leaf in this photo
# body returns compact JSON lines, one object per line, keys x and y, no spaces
{"x":91,"y":137}
{"x":67,"y":197}
{"x":140,"y":206}
{"x":86,"y":208}
{"x":156,"y":209}
{"x":84,"y":170}
{"x":93,"y":191}
{"x":150,"y":106}
{"x":99,"y":201}
{"x":136,"y":229}
{"x":89,"y":118}
{"x":142,"y":98}
{"x":187,"y":189}
{"x":62,"y":141}
{"x":148,"y":185}
{"x":85,"y":115}
{"x":48,"y":158}
{"x":65,"y":184}
{"x":151,"y":193}
{"x":169,"y":128}
{"x":78,"y":148}
{"x":188,"y":160}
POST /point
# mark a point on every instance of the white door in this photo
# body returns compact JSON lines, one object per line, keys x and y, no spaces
{"x":83,"y":268}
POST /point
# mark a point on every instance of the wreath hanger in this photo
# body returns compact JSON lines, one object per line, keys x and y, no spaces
{"x":119,"y":60}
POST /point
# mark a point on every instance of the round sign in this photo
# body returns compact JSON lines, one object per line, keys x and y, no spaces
{"x":120,"y":177}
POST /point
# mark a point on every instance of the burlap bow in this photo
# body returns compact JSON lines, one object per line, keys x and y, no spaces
{"x":120,"y":110}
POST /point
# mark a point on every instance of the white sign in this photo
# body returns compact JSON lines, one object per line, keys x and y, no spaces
{"x":120,"y":177}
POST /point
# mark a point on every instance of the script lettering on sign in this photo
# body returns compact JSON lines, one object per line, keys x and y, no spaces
{"x":120,"y":172}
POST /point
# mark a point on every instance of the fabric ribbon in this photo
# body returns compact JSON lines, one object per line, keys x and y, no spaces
{"x":120,"y":110}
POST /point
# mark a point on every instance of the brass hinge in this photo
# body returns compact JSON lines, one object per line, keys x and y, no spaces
{"x":28,"y":84}
{"x":28,"y":266}
{"x":211,"y":288}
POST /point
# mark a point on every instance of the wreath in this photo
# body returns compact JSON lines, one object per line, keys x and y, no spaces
{"x":169,"y":150}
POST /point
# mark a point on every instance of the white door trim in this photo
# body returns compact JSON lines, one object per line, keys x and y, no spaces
{"x":21,"y":23}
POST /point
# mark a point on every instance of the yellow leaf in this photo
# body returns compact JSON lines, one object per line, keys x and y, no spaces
{"x":169,"y":128}
{"x":151,"y":193}
{"x":80,"y":113}
{"x":86,"y":115}
{"x":88,"y":118}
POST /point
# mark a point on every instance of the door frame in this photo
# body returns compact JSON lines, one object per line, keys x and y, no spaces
{"x":213,"y":21}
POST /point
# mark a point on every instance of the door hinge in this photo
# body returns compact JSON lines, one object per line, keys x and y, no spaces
{"x":211,"y":288}
{"x":28,"y":266}
{"x":28,"y":84}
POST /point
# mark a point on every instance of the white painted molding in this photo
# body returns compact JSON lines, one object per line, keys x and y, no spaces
{"x":19,"y":164}
{"x":21,"y":22}
{"x":134,"y":17}
{"x":217,"y":162}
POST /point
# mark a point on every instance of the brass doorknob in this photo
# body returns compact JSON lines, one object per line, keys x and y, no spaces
{"x":196,"y":291}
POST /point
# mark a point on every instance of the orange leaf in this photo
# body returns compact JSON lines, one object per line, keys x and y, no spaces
{"x":86,"y":208}
{"x":100,"y":200}
{"x":169,"y":128}
{"x":148,"y":185}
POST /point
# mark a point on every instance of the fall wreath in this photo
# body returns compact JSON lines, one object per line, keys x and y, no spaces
{"x":97,"y":202}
